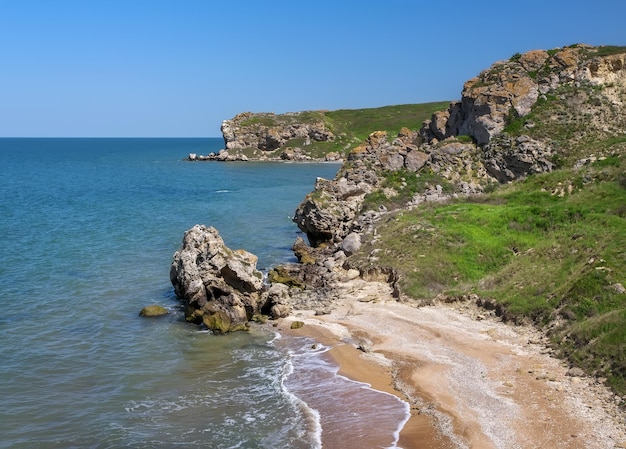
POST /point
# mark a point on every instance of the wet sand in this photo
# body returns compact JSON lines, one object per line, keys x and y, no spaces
{"x":471,"y":381}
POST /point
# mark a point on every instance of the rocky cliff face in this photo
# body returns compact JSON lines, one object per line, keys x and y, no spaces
{"x":465,"y":148}
{"x":381,"y":165}
{"x":509,"y":89}
{"x":268,"y":132}
{"x":327,"y":214}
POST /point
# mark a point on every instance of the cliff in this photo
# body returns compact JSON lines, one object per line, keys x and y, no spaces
{"x":528,"y":115}
{"x":268,"y":131}
{"x":509,"y":90}
{"x":513,"y":198}
{"x":311,"y":135}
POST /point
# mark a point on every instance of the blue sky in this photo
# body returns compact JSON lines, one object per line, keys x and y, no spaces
{"x":139,"y":68}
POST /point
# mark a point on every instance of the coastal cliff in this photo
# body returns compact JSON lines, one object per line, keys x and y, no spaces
{"x":311,"y":135}
{"x":268,"y":131}
{"x":527,"y":115}
{"x":512,"y":198}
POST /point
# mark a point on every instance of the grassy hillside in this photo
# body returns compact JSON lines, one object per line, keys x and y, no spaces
{"x":357,"y":124}
{"x":550,"y":249}
{"x":350,"y":126}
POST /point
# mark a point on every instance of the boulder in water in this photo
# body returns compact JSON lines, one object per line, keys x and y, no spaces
{"x":221,"y":287}
{"x":153,"y":310}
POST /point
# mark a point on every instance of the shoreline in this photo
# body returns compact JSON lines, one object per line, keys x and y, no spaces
{"x":237,"y":158}
{"x":470,"y":380}
{"x":419,"y":430}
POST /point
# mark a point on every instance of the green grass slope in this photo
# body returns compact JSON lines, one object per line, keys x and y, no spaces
{"x":549,"y":249}
{"x":350,"y":126}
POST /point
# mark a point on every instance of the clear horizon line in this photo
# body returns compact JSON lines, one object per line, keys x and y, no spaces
{"x":111,"y":137}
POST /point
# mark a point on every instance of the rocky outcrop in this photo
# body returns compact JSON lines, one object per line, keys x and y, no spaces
{"x":507,"y":159}
{"x":220,"y":156}
{"x":509,"y":89}
{"x":327,"y":214}
{"x":332,"y":211}
{"x":268,"y":131}
{"x":220,"y":287}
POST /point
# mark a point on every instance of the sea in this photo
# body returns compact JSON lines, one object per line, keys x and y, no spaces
{"x":88,"y":228}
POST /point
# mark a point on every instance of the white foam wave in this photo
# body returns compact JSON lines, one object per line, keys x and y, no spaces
{"x":318,"y":391}
{"x":311,"y":416}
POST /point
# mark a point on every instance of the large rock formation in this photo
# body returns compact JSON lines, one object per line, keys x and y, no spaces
{"x":509,"y":89}
{"x":332,"y":211}
{"x":507,"y":159}
{"x":268,"y":131}
{"x":327,"y":214}
{"x":221,"y":288}
{"x":462,"y":150}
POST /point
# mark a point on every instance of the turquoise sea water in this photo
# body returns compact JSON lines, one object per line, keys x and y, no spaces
{"x":88,"y":228}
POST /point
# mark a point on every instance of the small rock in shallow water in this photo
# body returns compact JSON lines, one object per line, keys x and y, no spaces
{"x":153,"y":310}
{"x":297,"y":325}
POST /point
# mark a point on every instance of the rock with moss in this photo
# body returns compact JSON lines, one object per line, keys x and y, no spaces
{"x":303,"y":252}
{"x":221,"y":287}
{"x":279,"y":301}
{"x":153,"y":310}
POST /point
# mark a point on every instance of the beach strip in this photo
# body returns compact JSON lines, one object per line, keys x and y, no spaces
{"x":471,"y":380}
{"x":418,"y":432}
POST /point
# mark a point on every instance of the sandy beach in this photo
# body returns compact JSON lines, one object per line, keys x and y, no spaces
{"x":471,"y":380}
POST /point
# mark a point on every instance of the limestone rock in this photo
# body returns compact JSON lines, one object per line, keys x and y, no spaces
{"x":222,"y":288}
{"x":575,"y":372}
{"x":351,"y":244}
{"x":487,"y":105}
{"x":303,"y":252}
{"x":268,"y":131}
{"x":618,"y":288}
{"x":415,"y":160}
{"x":279,"y":301}
{"x":507,"y":159}
{"x":332,"y":157}
{"x":509,"y":89}
{"x":327,"y":214}
{"x":329,"y":210}
{"x":533,"y":60}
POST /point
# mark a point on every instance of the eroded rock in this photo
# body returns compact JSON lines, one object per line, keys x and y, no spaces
{"x":509,"y":89}
{"x":221,"y":288}
{"x":268,"y":131}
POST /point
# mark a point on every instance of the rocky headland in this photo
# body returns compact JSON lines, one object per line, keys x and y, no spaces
{"x":269,"y":136}
{"x":536,"y":113}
